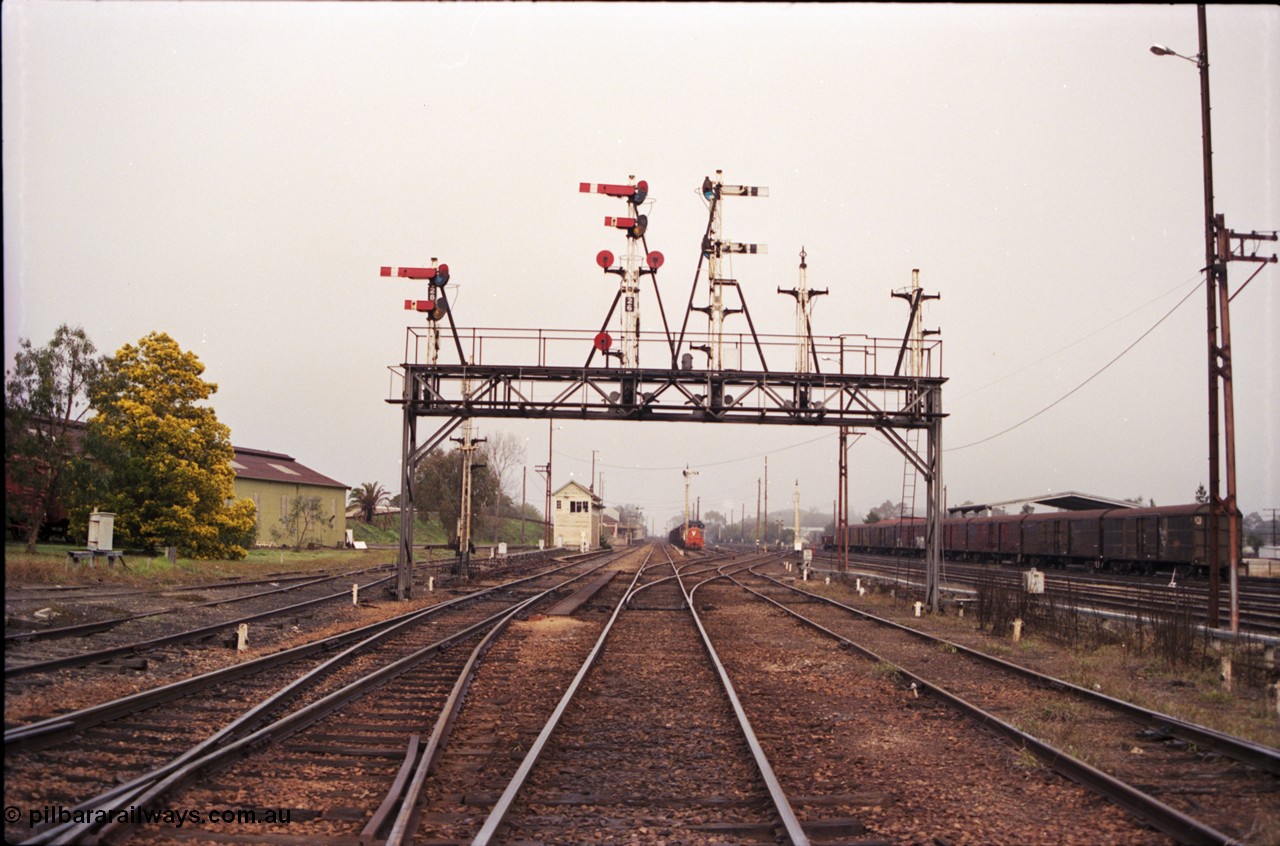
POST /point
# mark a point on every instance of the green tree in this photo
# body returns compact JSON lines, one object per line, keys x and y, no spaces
{"x":165,"y":460}
{"x":438,"y":488}
{"x":369,"y":497}
{"x":298,"y":525}
{"x":45,"y":395}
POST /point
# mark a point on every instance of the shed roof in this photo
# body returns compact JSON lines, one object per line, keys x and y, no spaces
{"x":278,"y":467}
{"x":1067,"y":501}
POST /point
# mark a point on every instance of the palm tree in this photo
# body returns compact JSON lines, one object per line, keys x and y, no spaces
{"x":369,"y":496}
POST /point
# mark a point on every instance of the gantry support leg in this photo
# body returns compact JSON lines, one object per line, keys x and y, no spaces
{"x":408,"y":446}
{"x":933,"y":529}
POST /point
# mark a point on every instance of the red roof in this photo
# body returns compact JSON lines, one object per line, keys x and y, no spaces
{"x":277,"y":467}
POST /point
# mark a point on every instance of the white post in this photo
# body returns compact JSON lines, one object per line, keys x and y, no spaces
{"x":355,"y":593}
{"x":919,"y":606}
{"x":242,"y":637}
{"x":1017,"y":631}
{"x":431,"y":584}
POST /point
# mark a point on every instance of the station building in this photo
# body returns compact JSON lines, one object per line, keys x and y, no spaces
{"x":272,"y":480}
{"x":577,"y":517}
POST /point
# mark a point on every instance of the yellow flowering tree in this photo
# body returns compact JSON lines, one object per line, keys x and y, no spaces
{"x":163,"y":458}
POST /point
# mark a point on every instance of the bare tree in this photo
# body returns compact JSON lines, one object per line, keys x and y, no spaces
{"x":502,"y":453}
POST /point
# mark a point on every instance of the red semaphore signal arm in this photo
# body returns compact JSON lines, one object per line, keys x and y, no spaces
{"x":411,"y":272}
{"x":611,"y":190}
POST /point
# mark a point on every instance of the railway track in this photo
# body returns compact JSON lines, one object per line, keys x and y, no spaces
{"x":158,"y":741}
{"x":236,"y":592}
{"x":651,"y":692}
{"x":1259,"y":599}
{"x":133,"y":639}
{"x":614,"y":701}
{"x":1195,"y":784}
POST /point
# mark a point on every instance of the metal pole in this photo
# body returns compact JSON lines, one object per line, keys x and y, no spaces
{"x":547,"y":531}
{"x":1212,"y":269}
{"x":933,"y":516}
{"x":408,"y":445}
{"x":1229,"y":424}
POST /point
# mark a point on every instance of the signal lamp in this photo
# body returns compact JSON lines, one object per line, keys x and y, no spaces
{"x":604,"y":258}
{"x":442,"y":275}
{"x":642,"y":191}
{"x":637,"y":229}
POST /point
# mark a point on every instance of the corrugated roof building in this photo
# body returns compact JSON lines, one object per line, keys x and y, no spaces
{"x":272,"y":480}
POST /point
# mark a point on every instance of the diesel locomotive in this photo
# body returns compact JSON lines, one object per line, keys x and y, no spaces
{"x":690,"y":539}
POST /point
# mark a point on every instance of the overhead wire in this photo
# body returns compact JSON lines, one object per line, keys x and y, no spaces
{"x":1093,"y":376}
{"x":1076,"y":342}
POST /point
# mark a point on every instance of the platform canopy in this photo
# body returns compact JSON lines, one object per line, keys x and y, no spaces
{"x":1067,"y":501}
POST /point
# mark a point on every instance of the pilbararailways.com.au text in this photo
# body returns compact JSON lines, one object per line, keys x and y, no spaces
{"x":133,"y":815}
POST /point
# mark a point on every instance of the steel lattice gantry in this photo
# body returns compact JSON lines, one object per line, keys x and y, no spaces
{"x":889,"y":404}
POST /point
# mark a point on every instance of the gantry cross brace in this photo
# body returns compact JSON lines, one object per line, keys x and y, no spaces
{"x":888,"y":404}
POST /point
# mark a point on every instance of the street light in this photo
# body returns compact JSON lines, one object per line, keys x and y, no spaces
{"x":1215,"y":277}
{"x":1161,"y":50}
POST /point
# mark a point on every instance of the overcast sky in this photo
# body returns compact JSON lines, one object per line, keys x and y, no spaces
{"x":234,"y":174}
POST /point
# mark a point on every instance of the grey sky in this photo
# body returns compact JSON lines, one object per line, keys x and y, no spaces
{"x":234,"y":174}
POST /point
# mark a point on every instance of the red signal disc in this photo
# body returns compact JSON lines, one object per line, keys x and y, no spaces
{"x":603,"y":341}
{"x":654,"y":259}
{"x":604,"y":258}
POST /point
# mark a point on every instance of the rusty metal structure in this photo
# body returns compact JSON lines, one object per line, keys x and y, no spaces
{"x":1218,"y":253}
{"x":558,"y":375}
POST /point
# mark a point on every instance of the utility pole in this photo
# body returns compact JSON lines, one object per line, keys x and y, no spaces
{"x":1217,"y":253}
{"x":757,"y":511}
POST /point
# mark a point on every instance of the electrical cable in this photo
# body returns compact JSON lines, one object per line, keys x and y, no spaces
{"x":1076,"y":342}
{"x":1095,"y":374}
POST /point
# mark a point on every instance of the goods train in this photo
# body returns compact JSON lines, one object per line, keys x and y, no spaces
{"x":691,"y":539}
{"x":1120,"y":540}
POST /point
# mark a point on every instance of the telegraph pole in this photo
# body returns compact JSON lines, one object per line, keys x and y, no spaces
{"x":1217,"y":253}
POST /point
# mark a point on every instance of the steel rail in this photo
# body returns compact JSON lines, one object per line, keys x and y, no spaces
{"x":39,"y":734}
{"x":795,"y":832}
{"x":1256,"y":636}
{"x":85,"y":658}
{"x":103,"y":625}
{"x":1179,"y":826}
{"x":209,"y":751}
{"x":502,"y":807}
{"x":1254,"y":754}
{"x":439,"y":738}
